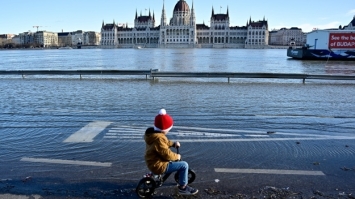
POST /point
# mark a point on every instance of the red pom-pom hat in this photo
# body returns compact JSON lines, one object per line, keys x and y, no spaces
{"x":163,"y":121}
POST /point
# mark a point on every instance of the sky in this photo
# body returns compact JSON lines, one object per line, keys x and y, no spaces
{"x":19,"y":16}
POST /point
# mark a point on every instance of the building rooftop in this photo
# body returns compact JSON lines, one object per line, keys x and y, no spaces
{"x":238,"y":28}
{"x":220,"y":17}
{"x":353,"y":21}
{"x":63,"y":34}
{"x":181,"y":6}
{"x":202,"y":27}
{"x":108,"y":26}
{"x":144,"y":18}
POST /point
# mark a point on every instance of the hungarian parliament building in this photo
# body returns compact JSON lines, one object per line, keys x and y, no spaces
{"x":181,"y":31}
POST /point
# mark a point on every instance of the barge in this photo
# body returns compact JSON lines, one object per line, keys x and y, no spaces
{"x":326,"y":45}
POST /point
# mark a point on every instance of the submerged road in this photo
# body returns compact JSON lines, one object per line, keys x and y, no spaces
{"x":71,"y":138}
{"x":228,"y":162}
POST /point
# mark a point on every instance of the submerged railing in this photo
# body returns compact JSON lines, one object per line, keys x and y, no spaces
{"x":155,"y":73}
{"x":76,"y":72}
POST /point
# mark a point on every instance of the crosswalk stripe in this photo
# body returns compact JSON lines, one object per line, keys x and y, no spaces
{"x":122,"y":137}
{"x":270,"y":171}
{"x":89,"y":132}
{"x":124,"y":130}
{"x":70,"y":162}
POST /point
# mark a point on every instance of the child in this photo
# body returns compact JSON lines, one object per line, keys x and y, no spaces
{"x":158,"y":156}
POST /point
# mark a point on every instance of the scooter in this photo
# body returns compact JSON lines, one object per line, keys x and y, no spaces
{"x":147,"y":185}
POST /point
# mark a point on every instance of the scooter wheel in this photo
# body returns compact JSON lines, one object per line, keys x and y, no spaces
{"x":191,"y":176}
{"x":146,"y":187}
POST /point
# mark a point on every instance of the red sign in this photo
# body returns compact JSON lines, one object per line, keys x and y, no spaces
{"x":342,"y":40}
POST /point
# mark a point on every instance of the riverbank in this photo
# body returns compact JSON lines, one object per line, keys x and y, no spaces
{"x":134,"y":47}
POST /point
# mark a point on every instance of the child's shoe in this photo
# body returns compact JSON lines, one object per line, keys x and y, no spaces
{"x":187,"y":191}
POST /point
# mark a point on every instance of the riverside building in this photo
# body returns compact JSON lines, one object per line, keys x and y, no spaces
{"x":39,"y":39}
{"x":182,"y":31}
{"x":285,"y":37}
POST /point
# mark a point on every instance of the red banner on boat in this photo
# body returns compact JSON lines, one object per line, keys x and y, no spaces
{"x":342,"y":40}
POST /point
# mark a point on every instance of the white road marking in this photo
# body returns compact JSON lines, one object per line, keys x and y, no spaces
{"x":300,"y":134}
{"x":220,"y":130}
{"x":69,"y":162}
{"x":202,"y":134}
{"x":126,"y":134}
{"x":89,"y":132}
{"x":125,"y":130}
{"x":257,"y":136}
{"x":131,"y":127}
{"x":268,"y":139}
{"x":112,"y":133}
{"x":293,"y":116}
{"x":67,"y":111}
{"x":122,"y":137}
{"x":111,"y":137}
{"x":253,"y":139}
{"x":270,"y":171}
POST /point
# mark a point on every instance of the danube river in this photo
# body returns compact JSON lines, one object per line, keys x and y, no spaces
{"x":60,"y":133}
{"x":180,"y":60}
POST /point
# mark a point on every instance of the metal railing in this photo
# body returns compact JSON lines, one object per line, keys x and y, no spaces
{"x":76,"y":72}
{"x":155,"y":73}
{"x":230,"y":75}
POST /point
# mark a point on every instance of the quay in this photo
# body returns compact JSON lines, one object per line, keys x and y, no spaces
{"x":155,"y":73}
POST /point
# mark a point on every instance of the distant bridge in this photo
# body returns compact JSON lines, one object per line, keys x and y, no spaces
{"x":155,"y":73}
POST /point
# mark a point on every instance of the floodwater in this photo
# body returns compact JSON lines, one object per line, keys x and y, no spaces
{"x":311,"y":126}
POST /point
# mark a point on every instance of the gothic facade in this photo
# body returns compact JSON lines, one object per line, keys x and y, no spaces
{"x":181,"y":31}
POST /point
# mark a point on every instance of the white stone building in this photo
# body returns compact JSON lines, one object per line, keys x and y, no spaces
{"x":257,"y":34}
{"x":88,"y":38}
{"x":6,"y":39}
{"x":27,"y":38}
{"x":16,"y":40}
{"x":182,"y":31}
{"x":65,"y":39}
{"x":286,"y":37}
{"x":46,"y":39}
{"x":77,"y":37}
{"x":109,"y":36}
{"x":91,"y":38}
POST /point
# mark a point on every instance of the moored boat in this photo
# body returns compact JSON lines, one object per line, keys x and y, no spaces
{"x":327,"y":45}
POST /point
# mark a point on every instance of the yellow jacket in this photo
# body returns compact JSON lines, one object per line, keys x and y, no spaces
{"x":157,"y":152}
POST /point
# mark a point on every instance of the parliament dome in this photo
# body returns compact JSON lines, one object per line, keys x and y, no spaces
{"x":182,"y":6}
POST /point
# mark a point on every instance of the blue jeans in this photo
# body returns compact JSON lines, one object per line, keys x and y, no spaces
{"x":182,"y":167}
